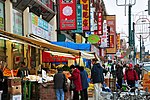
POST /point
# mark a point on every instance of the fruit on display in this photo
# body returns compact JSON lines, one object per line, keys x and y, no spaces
{"x":7,"y":72}
{"x":91,"y":86}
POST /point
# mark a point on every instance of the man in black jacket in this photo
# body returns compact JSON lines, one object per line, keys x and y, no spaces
{"x":59,"y":79}
{"x":97,"y":78}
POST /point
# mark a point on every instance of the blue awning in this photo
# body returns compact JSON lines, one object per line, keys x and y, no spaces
{"x":75,"y":46}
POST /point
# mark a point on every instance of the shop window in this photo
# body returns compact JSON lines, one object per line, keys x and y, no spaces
{"x":17,"y":22}
{"x":2,"y":42}
{"x":17,"y":54}
{"x":33,"y":57}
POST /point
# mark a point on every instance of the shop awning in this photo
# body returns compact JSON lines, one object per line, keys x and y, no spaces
{"x":61,"y":54}
{"x":41,"y":44}
{"x":87,"y":55}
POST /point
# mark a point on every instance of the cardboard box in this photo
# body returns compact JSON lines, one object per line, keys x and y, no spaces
{"x":14,"y":81}
{"x":16,"y":97}
{"x":14,"y":90}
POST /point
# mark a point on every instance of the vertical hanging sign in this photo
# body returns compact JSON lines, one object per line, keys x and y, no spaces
{"x":79,"y":19}
{"x":67,"y":14}
{"x":99,"y":24}
{"x":86,"y":14}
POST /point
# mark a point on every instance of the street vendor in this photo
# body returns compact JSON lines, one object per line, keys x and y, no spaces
{"x":23,"y":71}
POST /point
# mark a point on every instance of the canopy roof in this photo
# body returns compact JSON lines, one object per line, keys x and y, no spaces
{"x":41,"y":44}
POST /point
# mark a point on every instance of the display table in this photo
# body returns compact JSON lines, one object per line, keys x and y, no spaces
{"x":42,"y":91}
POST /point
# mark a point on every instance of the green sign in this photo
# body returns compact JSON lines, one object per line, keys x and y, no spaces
{"x":79,"y":19}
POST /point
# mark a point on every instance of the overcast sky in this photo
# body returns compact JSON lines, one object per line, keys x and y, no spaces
{"x":122,"y":20}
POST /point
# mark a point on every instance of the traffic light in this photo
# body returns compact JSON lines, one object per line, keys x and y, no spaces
{"x":108,"y":36}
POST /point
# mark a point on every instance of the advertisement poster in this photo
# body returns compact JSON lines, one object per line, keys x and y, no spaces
{"x":39,"y":27}
{"x":111,"y":22}
{"x":79,"y":19}
{"x":67,"y":15}
{"x":17,"y":22}
{"x":86,"y":14}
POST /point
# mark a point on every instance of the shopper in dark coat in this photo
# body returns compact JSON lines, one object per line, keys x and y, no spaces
{"x":138,"y":70}
{"x":85,"y":84}
{"x":76,"y":78}
{"x":97,"y":78}
{"x":59,"y":79}
{"x":119,"y":75}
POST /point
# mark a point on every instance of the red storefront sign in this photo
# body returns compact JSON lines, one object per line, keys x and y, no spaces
{"x":99,"y":24}
{"x":111,"y":41}
{"x":47,"y":57}
{"x":67,"y":15}
{"x":86,"y":14}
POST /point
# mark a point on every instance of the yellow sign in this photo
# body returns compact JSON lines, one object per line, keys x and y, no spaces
{"x":85,"y":14}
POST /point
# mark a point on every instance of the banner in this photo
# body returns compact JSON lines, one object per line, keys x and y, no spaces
{"x":79,"y":19}
{"x":111,"y":22}
{"x":92,"y":19}
{"x":86,"y":14}
{"x":111,"y":39}
{"x":118,"y":41}
{"x":67,"y":15}
{"x":99,"y":24}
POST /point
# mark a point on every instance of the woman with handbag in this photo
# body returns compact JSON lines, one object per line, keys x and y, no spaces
{"x":75,"y":82}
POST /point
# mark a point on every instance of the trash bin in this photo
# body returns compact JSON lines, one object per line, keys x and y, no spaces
{"x":1,"y":95}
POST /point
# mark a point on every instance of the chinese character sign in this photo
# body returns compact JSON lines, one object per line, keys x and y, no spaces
{"x":99,"y":24}
{"x":118,"y":41}
{"x":86,"y":14}
{"x":79,"y":19}
{"x":67,"y":14}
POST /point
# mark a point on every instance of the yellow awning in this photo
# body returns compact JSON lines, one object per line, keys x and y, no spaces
{"x":52,"y":47}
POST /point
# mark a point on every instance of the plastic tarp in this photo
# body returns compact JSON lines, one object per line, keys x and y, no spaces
{"x":75,"y":46}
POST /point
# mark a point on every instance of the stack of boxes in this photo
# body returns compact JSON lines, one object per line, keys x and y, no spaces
{"x":14,"y":88}
{"x":146,"y":82}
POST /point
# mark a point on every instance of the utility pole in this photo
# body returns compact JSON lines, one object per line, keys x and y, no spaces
{"x":133,"y":41}
{"x":140,"y":48}
{"x":130,"y":31}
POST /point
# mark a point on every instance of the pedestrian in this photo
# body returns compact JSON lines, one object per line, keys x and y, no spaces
{"x":23,"y":71}
{"x":85,"y":84}
{"x":1,"y":77}
{"x":76,"y":80}
{"x":59,"y":79}
{"x":119,"y":75}
{"x":138,"y":70}
{"x":130,"y":76}
{"x":97,"y":78}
